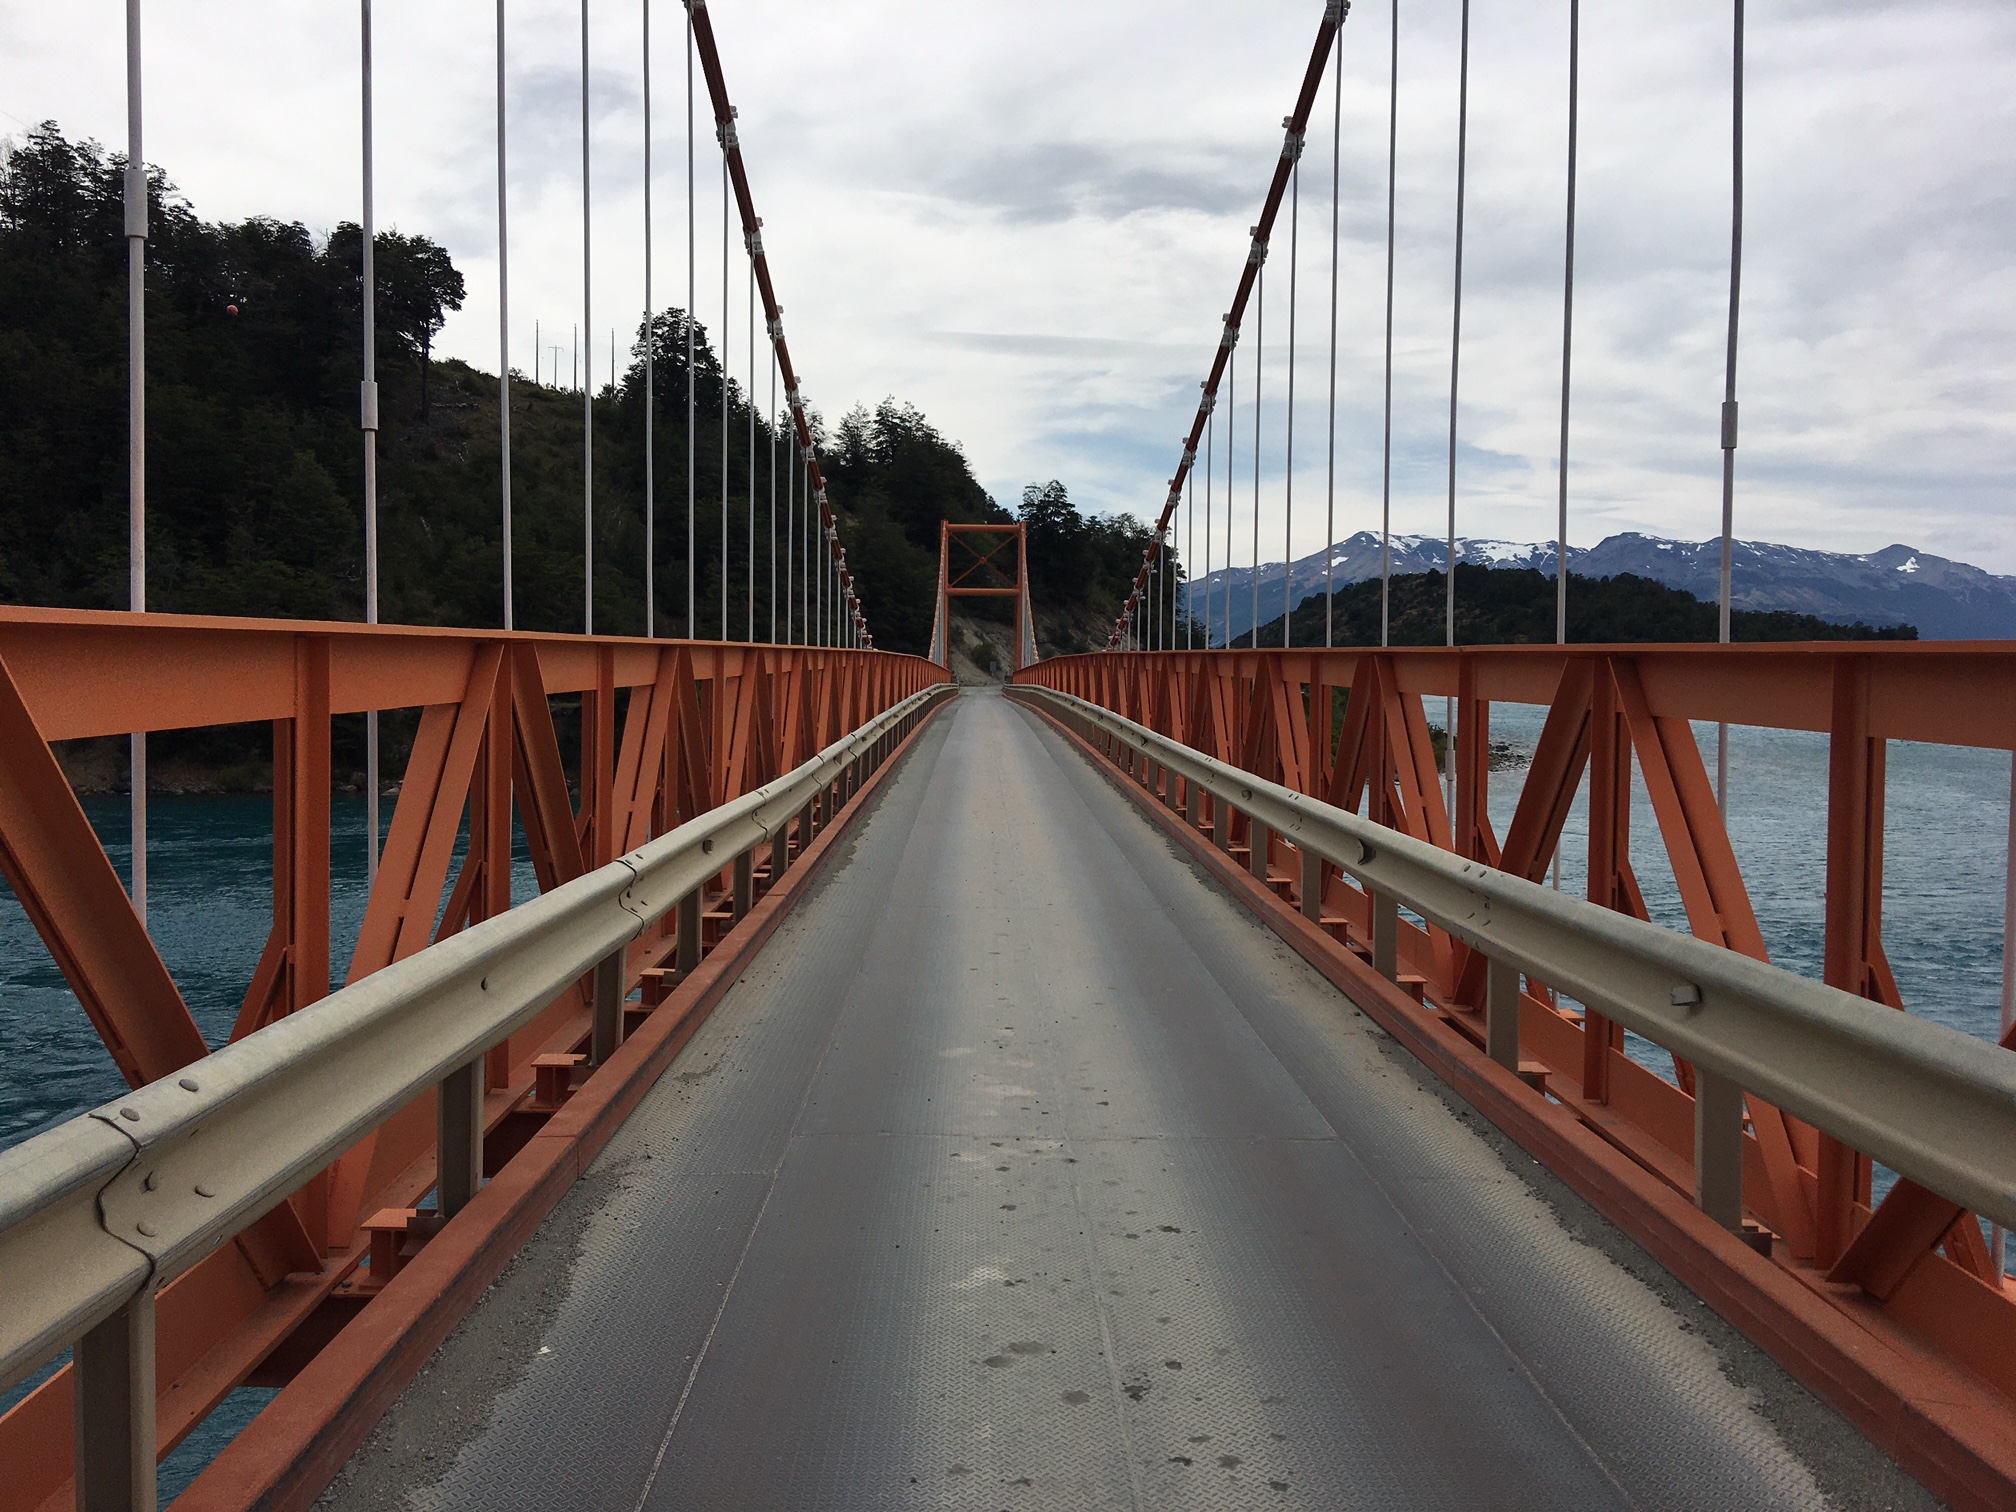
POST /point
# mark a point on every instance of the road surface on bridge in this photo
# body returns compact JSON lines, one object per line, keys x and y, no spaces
{"x":1025,"y":1168}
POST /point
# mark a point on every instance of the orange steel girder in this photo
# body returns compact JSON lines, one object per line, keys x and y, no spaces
{"x":704,"y":722}
{"x":1617,"y":716}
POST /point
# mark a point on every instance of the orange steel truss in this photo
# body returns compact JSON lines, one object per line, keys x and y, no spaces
{"x":975,"y":571}
{"x":700,"y":723}
{"x":1916,"y":1263}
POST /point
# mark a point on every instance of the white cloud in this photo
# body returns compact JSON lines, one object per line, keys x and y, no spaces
{"x":1028,"y":218}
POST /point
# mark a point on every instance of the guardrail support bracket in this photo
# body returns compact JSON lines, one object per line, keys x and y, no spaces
{"x":1718,"y":1148}
{"x":745,"y":884}
{"x":689,"y":934}
{"x":114,"y":1397}
{"x":1386,"y":935}
{"x":608,"y":1019}
{"x":1501,"y":1014}
{"x":458,"y":1115}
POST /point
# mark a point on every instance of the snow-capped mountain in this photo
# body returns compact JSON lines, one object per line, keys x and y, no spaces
{"x":1946,"y":600}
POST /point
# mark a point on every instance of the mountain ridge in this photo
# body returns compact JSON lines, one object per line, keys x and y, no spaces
{"x":1945,"y":599}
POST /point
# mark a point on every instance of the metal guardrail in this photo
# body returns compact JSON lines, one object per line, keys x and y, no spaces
{"x":1930,"y":1102}
{"x":98,"y":1213}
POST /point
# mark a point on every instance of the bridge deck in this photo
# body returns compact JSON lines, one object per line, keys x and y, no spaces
{"x":1025,"y":1169}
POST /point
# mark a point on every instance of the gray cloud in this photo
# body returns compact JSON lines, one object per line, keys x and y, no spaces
{"x":1027,"y":219}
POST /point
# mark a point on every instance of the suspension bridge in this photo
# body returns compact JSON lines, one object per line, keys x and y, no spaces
{"x":1166,"y":1080}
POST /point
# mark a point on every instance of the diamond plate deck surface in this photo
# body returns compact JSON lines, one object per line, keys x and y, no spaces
{"x":1025,"y":1170}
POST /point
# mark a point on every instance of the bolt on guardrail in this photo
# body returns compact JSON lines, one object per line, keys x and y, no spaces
{"x":1933,"y":1104}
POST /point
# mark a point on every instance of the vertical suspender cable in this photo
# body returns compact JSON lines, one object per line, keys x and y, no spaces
{"x":1729,"y":382}
{"x":1231,"y":445}
{"x":790,"y":524}
{"x":1330,"y":507}
{"x":504,"y":312}
{"x":1567,"y":345}
{"x":1189,"y":555}
{"x":749,"y":398}
{"x":1998,"y":1237}
{"x":136,"y":425}
{"x":692,"y":378}
{"x":1210,"y":442}
{"x":1259,"y":385}
{"x":1456,"y":321}
{"x":724,"y":390}
{"x":1386,"y":446}
{"x":1455,"y":356}
{"x":587,"y":362}
{"x":650,"y":381}
{"x":773,"y":495}
{"x":369,"y":416}
{"x":1567,"y":325}
{"x":1288,"y":466}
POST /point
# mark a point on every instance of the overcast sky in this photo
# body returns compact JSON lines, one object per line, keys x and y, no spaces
{"x":1028,"y":218}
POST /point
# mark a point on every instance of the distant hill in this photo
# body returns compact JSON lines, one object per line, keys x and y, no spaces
{"x":1509,"y":606}
{"x":1899,"y":585}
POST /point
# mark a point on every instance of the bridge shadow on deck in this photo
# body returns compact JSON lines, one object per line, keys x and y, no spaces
{"x":1025,"y":1169}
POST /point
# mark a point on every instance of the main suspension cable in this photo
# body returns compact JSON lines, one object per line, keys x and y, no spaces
{"x":1334,"y":12}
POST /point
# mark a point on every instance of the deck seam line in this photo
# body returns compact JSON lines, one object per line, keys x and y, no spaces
{"x":861,"y":819}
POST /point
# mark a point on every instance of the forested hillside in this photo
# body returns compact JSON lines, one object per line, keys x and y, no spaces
{"x":255,"y":469}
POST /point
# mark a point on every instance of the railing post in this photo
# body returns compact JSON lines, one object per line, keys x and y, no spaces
{"x":1312,"y":886}
{"x":1386,"y":935}
{"x":745,"y":884}
{"x":805,"y":827}
{"x":458,"y":1133}
{"x":607,"y":1031}
{"x":689,"y":934}
{"x":1221,"y":823}
{"x":114,"y":1402}
{"x":1718,"y":1148}
{"x":1256,"y":849}
{"x":1501,"y":1013}
{"x":1193,"y":807}
{"x":780,"y":852}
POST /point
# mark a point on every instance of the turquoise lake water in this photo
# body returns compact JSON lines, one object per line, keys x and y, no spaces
{"x":210,"y":873}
